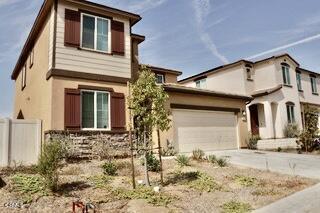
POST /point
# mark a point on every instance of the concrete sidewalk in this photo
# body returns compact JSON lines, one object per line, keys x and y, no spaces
{"x":286,"y":163}
{"x":307,"y":200}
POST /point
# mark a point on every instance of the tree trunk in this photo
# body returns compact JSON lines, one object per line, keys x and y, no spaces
{"x":132,"y":162}
{"x":160,"y":159}
{"x":146,"y":174}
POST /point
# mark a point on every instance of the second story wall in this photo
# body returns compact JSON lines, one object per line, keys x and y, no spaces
{"x":231,"y":80}
{"x":265,"y":76}
{"x":306,"y":95}
{"x":87,"y":61}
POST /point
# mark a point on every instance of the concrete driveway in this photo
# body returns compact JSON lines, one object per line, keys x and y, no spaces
{"x":286,"y":163}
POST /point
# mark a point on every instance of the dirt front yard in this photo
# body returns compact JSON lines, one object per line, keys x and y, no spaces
{"x":200,"y":187}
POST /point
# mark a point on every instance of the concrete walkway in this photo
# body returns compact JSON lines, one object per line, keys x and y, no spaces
{"x":307,"y":200}
{"x":286,"y":163}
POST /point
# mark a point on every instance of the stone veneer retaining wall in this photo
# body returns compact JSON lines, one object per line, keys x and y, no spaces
{"x":284,"y":143}
{"x":92,"y":144}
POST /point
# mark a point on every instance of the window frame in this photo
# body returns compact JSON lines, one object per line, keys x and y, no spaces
{"x":95,"y":121}
{"x":249,"y":73}
{"x":24,"y":77}
{"x":95,"y":33}
{"x":290,"y":113}
{"x":162,"y":77}
{"x":285,"y":68}
{"x":313,"y":82}
{"x":299,"y":82}
{"x":202,"y":83}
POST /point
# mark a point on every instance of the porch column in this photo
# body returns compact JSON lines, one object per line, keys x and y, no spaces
{"x":269,"y":119}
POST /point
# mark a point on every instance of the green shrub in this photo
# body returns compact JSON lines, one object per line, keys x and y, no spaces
{"x":109,"y":168}
{"x":157,"y":199}
{"x":245,"y":180}
{"x":279,"y":149}
{"x":291,"y":130}
{"x":253,"y":141}
{"x":182,"y":160}
{"x":204,"y":183}
{"x":222,"y":162}
{"x":194,"y":179}
{"x":212,"y":159}
{"x":198,"y":154}
{"x":170,"y":150}
{"x":50,"y":161}
{"x":236,"y":207}
{"x":306,"y":139}
{"x":29,"y":186}
{"x":153,"y":163}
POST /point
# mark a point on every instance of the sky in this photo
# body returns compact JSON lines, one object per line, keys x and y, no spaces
{"x":188,"y":35}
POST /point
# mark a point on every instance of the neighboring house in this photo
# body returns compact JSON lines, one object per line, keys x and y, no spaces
{"x":73,"y":73}
{"x":279,"y":86}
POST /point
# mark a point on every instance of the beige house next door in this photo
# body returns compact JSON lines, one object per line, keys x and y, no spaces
{"x":206,"y":130}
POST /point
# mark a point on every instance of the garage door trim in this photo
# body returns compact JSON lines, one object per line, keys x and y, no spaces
{"x":204,"y":108}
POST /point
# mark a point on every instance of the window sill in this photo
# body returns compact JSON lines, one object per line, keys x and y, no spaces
{"x":300,"y":90}
{"x":315,"y":93}
{"x":94,"y":51}
{"x":287,"y":85}
{"x":249,"y":79}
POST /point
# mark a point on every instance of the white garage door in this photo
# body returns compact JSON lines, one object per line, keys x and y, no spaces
{"x":206,"y":130}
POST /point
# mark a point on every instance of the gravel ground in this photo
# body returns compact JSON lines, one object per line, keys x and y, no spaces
{"x":267,"y":188}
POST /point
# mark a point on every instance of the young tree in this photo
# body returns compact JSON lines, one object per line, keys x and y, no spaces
{"x":147,"y":103}
{"x":310,"y":131}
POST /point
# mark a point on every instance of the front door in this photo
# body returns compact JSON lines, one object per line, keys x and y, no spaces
{"x":254,"y":119}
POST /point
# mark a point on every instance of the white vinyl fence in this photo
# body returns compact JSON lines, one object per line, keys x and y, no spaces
{"x":20,"y":141}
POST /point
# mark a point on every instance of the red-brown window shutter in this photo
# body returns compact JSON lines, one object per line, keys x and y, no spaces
{"x":117,"y":36}
{"x":118,"y":111}
{"x":72,"y":28}
{"x":72,"y":119}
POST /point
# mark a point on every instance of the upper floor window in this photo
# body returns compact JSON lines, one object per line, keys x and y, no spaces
{"x":290,"y":112}
{"x":313,"y":80}
{"x":24,"y":77}
{"x":159,"y":78}
{"x":285,"y":74}
{"x":95,"y":110}
{"x":201,"y":83}
{"x":95,"y":33}
{"x":249,"y":74}
{"x":299,"y":85}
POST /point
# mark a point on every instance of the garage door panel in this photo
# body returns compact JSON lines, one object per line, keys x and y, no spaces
{"x":205,"y":130}
{"x":202,"y":119}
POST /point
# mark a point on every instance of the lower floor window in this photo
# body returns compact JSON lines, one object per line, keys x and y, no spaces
{"x":95,"y":110}
{"x":290,"y":113}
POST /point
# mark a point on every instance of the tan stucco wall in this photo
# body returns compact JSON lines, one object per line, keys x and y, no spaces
{"x":201,"y":100}
{"x":35,"y":100}
{"x":171,"y":78}
{"x":58,"y":86}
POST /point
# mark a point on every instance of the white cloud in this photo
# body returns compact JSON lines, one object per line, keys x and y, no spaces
{"x":201,"y":10}
{"x":286,"y":46}
{"x":8,"y":2}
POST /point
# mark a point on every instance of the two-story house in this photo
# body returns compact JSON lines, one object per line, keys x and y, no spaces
{"x":279,"y":87}
{"x":74,"y":67}
{"x":73,"y":74}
